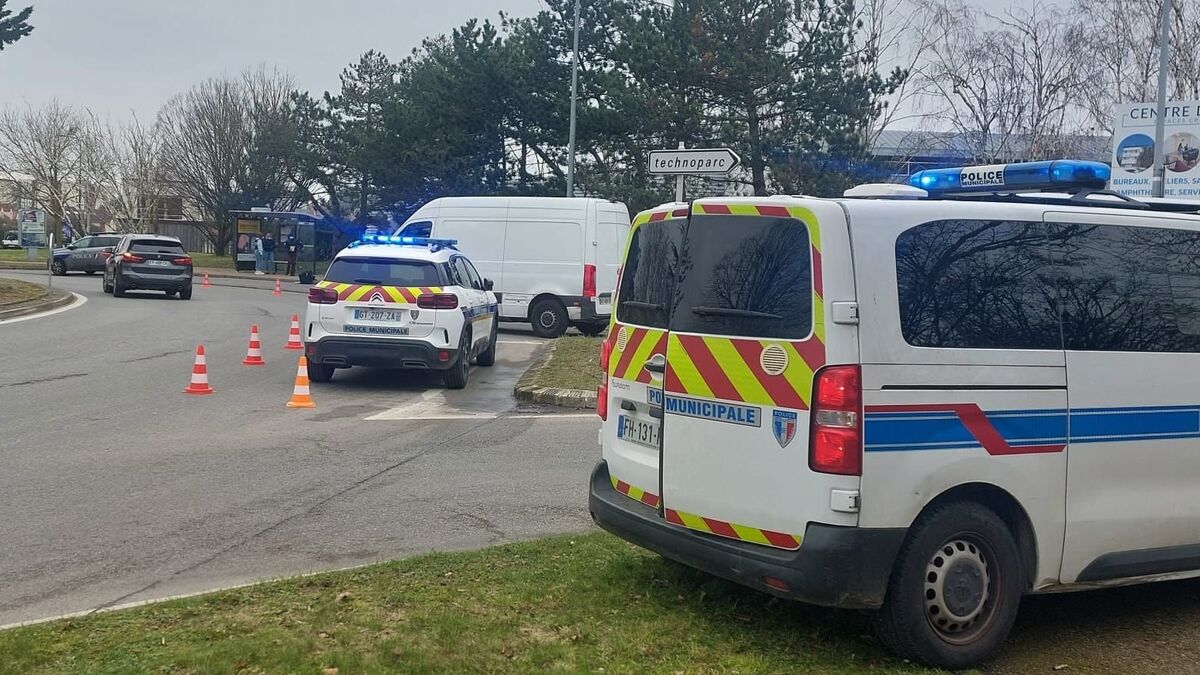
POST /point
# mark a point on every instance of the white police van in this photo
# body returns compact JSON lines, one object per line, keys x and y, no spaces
{"x":401,"y":302}
{"x":922,"y":400}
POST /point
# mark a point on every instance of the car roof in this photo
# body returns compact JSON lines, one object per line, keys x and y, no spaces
{"x":399,"y":252}
{"x":153,"y":237}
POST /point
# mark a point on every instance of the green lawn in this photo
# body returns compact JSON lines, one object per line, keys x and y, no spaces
{"x":13,"y":291}
{"x":588,"y":604}
{"x":574,"y":365}
{"x":18,"y":255}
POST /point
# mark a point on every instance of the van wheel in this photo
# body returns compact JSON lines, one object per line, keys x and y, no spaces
{"x":549,"y":318}
{"x":591,"y":329}
{"x":954,"y":590}
{"x":487,"y":358}
{"x":456,"y":377}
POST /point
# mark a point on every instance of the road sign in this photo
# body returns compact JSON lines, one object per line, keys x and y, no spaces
{"x":35,"y":218}
{"x":693,"y":161}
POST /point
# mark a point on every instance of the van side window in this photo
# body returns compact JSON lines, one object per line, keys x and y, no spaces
{"x":418,"y":229}
{"x":648,"y":278}
{"x":977,"y":284}
{"x":1130,"y":289}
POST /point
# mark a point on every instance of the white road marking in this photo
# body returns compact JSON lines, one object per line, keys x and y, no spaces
{"x":520,"y":342}
{"x":78,"y":302}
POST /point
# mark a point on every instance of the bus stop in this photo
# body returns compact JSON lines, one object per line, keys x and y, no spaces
{"x":316,"y":242}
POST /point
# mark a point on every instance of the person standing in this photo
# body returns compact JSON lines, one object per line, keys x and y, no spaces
{"x":292,"y":248}
{"x":257,"y":245}
{"x":268,"y":245}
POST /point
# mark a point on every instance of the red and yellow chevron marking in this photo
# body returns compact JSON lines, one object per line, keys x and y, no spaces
{"x":721,"y":528}
{"x":640,"y":345}
{"x":397,"y":294}
{"x":647,"y":498}
{"x":655,"y":215}
{"x":728,"y":368}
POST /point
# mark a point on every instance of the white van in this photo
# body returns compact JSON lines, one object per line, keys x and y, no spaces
{"x":554,"y":260}
{"x":924,"y":401}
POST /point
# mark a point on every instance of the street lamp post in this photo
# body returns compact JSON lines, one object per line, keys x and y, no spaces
{"x":574,"y":105}
{"x":1158,"y":183}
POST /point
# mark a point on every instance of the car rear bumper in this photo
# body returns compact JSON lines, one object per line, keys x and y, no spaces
{"x":155,"y":282}
{"x":343,"y":352}
{"x":845,"y":567}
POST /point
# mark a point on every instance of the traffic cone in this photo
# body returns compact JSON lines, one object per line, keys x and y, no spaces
{"x":301,"y":398}
{"x":199,"y":384}
{"x":294,"y":335}
{"x":277,"y":291}
{"x":206,"y":284}
{"x":254,"y":351}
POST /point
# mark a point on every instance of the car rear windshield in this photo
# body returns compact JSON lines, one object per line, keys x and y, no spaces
{"x":155,"y":246}
{"x":383,"y":272}
{"x":749,"y":276}
{"x":648,"y":276}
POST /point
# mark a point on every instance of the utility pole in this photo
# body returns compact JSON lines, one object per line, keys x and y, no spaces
{"x":574,"y":105}
{"x":1159,"y":183}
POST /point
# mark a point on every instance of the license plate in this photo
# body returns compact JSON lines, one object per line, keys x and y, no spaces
{"x":158,"y":263}
{"x":378,"y":315}
{"x":637,"y":431}
{"x":604,"y":302}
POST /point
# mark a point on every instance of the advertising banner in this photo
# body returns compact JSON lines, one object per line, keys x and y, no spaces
{"x":1133,"y":149}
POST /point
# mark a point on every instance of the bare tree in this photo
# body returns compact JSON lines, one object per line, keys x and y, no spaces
{"x":129,"y":174}
{"x":42,"y":152}
{"x":228,"y":143}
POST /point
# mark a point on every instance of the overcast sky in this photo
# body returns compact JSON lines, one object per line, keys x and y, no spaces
{"x":114,"y":56}
{"x":118,"y":56}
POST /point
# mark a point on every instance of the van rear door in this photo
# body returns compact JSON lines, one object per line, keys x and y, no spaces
{"x":747,"y":336}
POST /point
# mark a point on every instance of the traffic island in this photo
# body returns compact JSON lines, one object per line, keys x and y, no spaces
{"x":22,"y":298}
{"x":566,"y":376}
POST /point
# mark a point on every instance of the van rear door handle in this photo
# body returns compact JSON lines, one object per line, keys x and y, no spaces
{"x":656,"y":364}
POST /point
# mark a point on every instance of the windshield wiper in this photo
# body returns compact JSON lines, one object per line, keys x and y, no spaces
{"x":638,"y":304}
{"x":731,"y":311}
{"x":376,"y":282}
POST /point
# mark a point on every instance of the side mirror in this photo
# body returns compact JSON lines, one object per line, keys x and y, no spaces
{"x":488,"y":285}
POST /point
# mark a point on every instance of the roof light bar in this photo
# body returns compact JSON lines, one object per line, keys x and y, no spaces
{"x":1053,"y":176}
{"x":397,"y":240}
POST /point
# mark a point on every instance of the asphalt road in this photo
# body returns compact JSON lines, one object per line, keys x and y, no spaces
{"x":118,"y":488}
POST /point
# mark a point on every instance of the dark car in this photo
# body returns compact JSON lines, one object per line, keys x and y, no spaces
{"x":149,"y":262}
{"x":86,"y":254}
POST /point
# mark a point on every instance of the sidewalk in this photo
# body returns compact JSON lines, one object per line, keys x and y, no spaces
{"x":220,"y":276}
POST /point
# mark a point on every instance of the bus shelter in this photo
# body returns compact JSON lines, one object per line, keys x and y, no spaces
{"x":316,"y":241}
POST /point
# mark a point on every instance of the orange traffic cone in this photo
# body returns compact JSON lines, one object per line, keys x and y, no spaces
{"x":301,"y":398}
{"x":206,"y":284}
{"x":294,"y":335}
{"x":277,"y":291}
{"x":199,"y":383}
{"x":254,"y":351}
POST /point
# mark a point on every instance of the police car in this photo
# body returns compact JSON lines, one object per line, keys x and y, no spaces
{"x":401,"y":302}
{"x":922,"y":400}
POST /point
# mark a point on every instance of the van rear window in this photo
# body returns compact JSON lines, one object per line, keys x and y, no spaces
{"x":749,"y":276}
{"x":648,"y":276}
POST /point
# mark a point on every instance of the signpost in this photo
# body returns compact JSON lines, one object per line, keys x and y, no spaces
{"x":692,"y":162}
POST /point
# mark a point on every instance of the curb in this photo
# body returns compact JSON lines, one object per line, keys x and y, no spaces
{"x":51,"y":300}
{"x":526,"y":392}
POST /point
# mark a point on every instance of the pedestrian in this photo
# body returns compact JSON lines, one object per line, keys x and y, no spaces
{"x":258,"y":255}
{"x":292,"y":248}
{"x":268,"y":245}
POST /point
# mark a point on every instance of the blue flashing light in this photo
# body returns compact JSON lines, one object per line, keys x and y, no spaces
{"x":1053,"y":176}
{"x":397,"y":240}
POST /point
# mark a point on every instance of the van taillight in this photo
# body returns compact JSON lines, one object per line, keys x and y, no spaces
{"x":606,"y":348}
{"x":835,"y":445}
{"x":589,"y":281}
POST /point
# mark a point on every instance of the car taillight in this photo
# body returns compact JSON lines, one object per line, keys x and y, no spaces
{"x":129,"y":257}
{"x":185,"y":260}
{"x":589,"y":281}
{"x":606,"y":348}
{"x":835,"y":445}
{"x":322,"y":296}
{"x":437,"y":301}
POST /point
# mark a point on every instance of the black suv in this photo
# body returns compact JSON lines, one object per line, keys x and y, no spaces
{"x":149,"y":262}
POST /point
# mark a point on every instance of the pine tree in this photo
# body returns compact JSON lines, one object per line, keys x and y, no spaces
{"x":13,"y":27}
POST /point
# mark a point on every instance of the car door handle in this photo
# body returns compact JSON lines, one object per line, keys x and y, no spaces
{"x":656,"y":364}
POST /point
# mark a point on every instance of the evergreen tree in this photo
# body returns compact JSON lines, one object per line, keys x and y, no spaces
{"x":13,"y":27}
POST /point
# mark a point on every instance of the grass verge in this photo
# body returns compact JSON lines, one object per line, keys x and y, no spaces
{"x":574,"y":365}
{"x":586,"y":603}
{"x":13,"y":291}
{"x":19,"y":255}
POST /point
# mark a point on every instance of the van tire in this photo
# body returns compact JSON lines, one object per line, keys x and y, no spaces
{"x":591,"y":329}
{"x":984,"y":566}
{"x":549,"y":318}
{"x":487,"y":358}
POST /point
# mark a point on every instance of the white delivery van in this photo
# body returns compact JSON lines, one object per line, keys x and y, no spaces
{"x":554,"y":260}
{"x":924,"y":401}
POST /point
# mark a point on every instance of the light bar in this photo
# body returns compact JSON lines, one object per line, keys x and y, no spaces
{"x":405,"y":241}
{"x":1053,"y":176}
